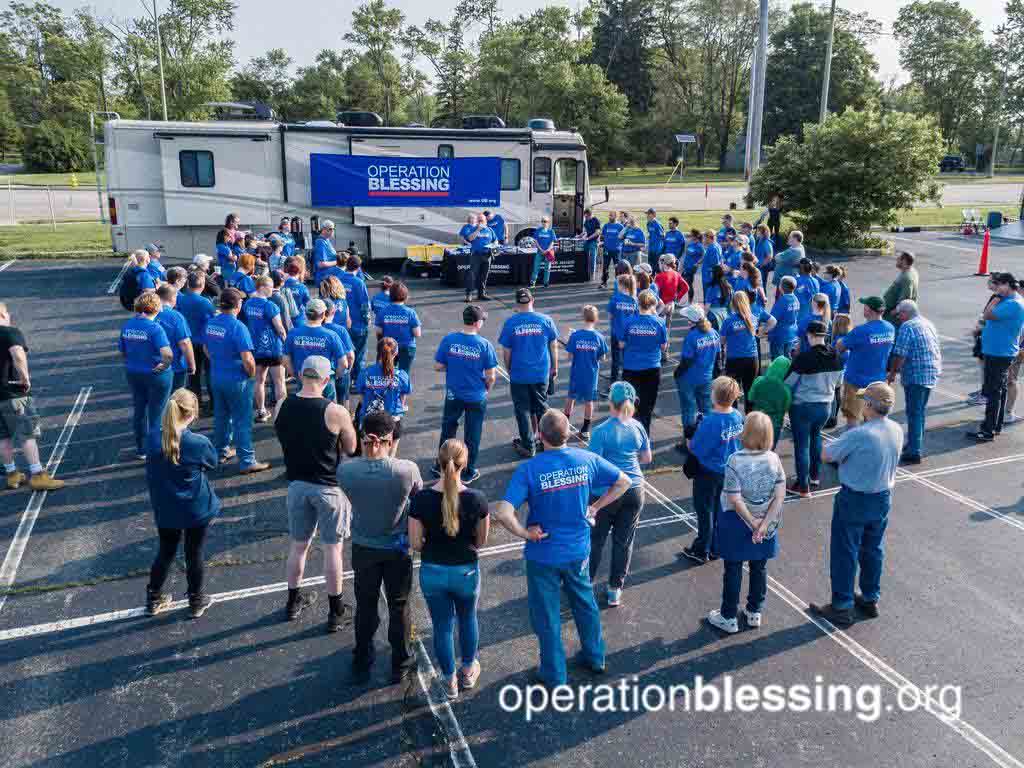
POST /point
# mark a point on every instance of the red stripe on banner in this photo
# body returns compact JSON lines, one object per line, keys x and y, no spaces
{"x":407,"y":194}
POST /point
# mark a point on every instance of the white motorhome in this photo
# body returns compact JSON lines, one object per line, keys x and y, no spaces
{"x":174,"y":182}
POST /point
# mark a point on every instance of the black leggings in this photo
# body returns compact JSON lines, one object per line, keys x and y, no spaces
{"x":195,"y":380}
{"x":744,"y":370}
{"x":646,"y":383}
{"x":169,"y":540}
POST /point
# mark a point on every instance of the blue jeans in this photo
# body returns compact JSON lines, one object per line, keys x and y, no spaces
{"x":454,"y":409}
{"x":917,"y":401}
{"x":542,"y":583}
{"x":733,"y":581}
{"x":693,"y":399}
{"x":232,"y":418}
{"x":540,"y":264}
{"x":359,"y":348}
{"x":806,"y":421}
{"x":342,"y":382}
{"x":781,"y":349}
{"x":405,"y":357}
{"x":452,"y":591}
{"x":149,"y":396}
{"x":591,"y":250}
{"x":707,"y":503}
{"x":858,"y":538}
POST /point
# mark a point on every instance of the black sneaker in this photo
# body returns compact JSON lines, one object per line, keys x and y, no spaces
{"x":981,"y":437}
{"x":522,"y":450}
{"x":908,"y":458}
{"x":814,"y":482}
{"x":692,"y":554}
{"x":840,"y":617}
{"x":867,"y":607}
{"x":398,"y":674}
{"x":468,"y":298}
{"x":156,"y":602}
{"x":301,"y":603}
{"x":335,"y":621}
{"x":197,"y":604}
{"x":471,"y":477}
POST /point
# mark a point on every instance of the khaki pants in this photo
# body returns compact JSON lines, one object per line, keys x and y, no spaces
{"x":853,"y":406}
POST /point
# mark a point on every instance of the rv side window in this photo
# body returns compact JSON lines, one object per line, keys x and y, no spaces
{"x":509,"y":174}
{"x":542,"y":174}
{"x":445,"y":151}
{"x":196,"y":168}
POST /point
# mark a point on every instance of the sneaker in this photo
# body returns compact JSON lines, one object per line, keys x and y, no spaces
{"x":522,"y":450}
{"x":868,"y":607}
{"x":197,"y":604}
{"x":585,"y":436}
{"x":451,"y":687}
{"x":692,"y":554}
{"x":815,"y":482}
{"x":1011,"y":418}
{"x":259,"y":466}
{"x":297,"y":606}
{"x":729,"y":626}
{"x":603,"y":286}
{"x":981,"y":437}
{"x":263,"y":417}
{"x":840,"y":617}
{"x":483,"y":297}
{"x":335,"y":621}
{"x":614,"y":597}
{"x":469,"y":675}
{"x":974,"y":393}
{"x":41,"y":481}
{"x":156,"y":602}
{"x":799,"y":490}
{"x":909,"y":458}
{"x":538,"y":446}
{"x":978,"y":399}
{"x":228,"y":455}
{"x":753,"y":617}
{"x":15,"y":479}
{"x":470,"y":477}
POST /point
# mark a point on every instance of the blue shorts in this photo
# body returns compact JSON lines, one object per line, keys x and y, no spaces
{"x":581,"y":395}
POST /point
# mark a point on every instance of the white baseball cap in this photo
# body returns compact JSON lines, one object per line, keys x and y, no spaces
{"x":692,"y":312}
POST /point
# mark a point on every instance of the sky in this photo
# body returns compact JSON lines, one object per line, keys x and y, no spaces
{"x":303,"y":27}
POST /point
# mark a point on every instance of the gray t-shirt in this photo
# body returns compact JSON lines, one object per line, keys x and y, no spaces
{"x":868,"y":455}
{"x":754,"y":475}
{"x":379,"y":491}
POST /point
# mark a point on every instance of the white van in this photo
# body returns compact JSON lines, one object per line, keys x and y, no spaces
{"x":175,"y":182}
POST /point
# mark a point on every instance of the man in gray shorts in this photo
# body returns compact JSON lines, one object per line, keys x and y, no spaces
{"x":313,"y":430}
{"x":19,"y":422}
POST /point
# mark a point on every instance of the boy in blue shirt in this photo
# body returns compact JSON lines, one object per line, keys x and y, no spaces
{"x":586,"y":348}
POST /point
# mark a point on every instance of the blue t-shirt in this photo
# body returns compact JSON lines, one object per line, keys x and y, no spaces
{"x":764,"y":251}
{"x":483,"y":239}
{"x":497,"y":225}
{"x":241,"y":281}
{"x":342,"y":333}
{"x":712,"y":258}
{"x":786,"y":312}
{"x":398,"y":322}
{"x":340,"y":311}
{"x":143,"y":279}
{"x":739,"y":341}
{"x":611,"y":234}
{"x":176,"y":327}
{"x":806,"y":287}
{"x":724,"y":232}
{"x":156,"y":270}
{"x":999,"y":337}
{"x":693,"y":258}
{"x":259,"y":314}
{"x":844,"y":297}
{"x":621,"y":307}
{"x":701,"y":348}
{"x":716,"y":439}
{"x":324,"y":255}
{"x":587,"y":347}
{"x":225,"y":257}
{"x":466,"y":231}
{"x":655,"y":236}
{"x":643,"y":336}
{"x":465,"y":357}
{"x":140,"y":342}
{"x":299,"y":292}
{"x":733,"y":257}
{"x":807,"y":319}
{"x":674,"y":243}
{"x":558,"y":484}
{"x":831,"y":289}
{"x":633,"y":239}
{"x":382,"y":393}
{"x":869,"y":346}
{"x":226,"y":339}
{"x":527,"y":335}
{"x":620,"y":443}
{"x":591,"y":225}
{"x":305,"y":340}
{"x":379,"y":302}
{"x":544,"y":238}
{"x":358,"y":301}
{"x":197,"y":310}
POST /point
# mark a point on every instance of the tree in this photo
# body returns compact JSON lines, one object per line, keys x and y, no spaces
{"x":10,"y":131}
{"x":266,"y":79}
{"x":796,"y":68}
{"x":855,"y":170}
{"x":944,"y":50}
{"x":55,"y":148}
{"x":442,"y":46}
{"x":623,"y":38}
{"x":319,"y":90}
{"x":377,"y":30}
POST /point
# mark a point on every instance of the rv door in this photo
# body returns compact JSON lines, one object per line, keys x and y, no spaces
{"x":569,"y":183}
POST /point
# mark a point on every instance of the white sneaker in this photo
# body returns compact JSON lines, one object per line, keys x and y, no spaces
{"x":753,"y":618}
{"x":614,"y":597}
{"x":1011,"y":418}
{"x":729,"y":626}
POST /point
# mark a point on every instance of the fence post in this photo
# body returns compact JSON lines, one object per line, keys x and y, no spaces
{"x":49,"y":199}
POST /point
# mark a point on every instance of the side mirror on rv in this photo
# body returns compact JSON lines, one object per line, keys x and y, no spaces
{"x":606,"y":195}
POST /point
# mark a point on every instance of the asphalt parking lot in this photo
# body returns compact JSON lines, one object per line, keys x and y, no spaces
{"x":87,"y":680}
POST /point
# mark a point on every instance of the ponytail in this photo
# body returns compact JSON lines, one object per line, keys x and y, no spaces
{"x":822,"y":303}
{"x":452,"y":459}
{"x":625,"y":410}
{"x":180,"y":410}
{"x":387,"y":351}
{"x":741,"y":304}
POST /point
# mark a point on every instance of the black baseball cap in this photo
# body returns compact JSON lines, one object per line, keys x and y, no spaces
{"x":523,"y":296}
{"x":473,"y":314}
{"x":1004,"y":278}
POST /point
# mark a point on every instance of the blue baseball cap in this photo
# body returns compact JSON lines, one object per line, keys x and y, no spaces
{"x":621,"y":391}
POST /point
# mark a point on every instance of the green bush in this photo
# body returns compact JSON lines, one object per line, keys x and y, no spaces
{"x":855,"y":170}
{"x":54,"y":148}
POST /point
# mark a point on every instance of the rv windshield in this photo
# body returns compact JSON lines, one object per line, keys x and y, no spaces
{"x":565,"y":177}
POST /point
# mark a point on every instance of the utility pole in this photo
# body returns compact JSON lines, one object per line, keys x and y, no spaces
{"x":995,"y":138}
{"x":828,"y":65}
{"x":160,"y":60}
{"x":760,"y":65}
{"x":750,"y":116}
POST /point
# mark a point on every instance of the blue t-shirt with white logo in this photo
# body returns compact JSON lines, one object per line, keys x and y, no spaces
{"x":643,"y":336}
{"x":527,"y":335}
{"x":545,"y":238}
{"x":806,"y":287}
{"x":869,"y":346}
{"x":739,"y":341}
{"x":398,"y":322}
{"x":633,"y":239}
{"x":466,"y":231}
{"x":226,"y":339}
{"x":1000,"y":337}
{"x":655,"y":236}
{"x":305,"y":340}
{"x":382,"y":393}
{"x":156,"y":270}
{"x":701,"y":347}
{"x":716,"y":439}
{"x":786,"y":311}
{"x":621,"y":307}
{"x":239,"y":280}
{"x":259,"y":314}
{"x":324,"y":255}
{"x":497,"y":225}
{"x":379,"y":302}
{"x":483,"y":239}
{"x":342,"y":333}
{"x":176,"y":328}
{"x":674,"y":242}
{"x":140,"y":342}
{"x":611,"y":235}
{"x":465,"y":357}
{"x":558,"y":484}
{"x":587,"y":347}
{"x":197,"y":310}
{"x":358,"y":301}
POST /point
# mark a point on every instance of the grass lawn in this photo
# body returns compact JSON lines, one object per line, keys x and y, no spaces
{"x":85,"y":179}
{"x":40,"y":241}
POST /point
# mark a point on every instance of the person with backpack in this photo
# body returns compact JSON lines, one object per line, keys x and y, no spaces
{"x":136,"y":280}
{"x":384,"y":387}
{"x":148,"y":359}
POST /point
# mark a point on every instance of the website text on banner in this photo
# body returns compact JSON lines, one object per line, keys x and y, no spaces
{"x":349,"y":181}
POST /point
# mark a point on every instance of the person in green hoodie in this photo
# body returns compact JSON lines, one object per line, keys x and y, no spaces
{"x":771,"y":396}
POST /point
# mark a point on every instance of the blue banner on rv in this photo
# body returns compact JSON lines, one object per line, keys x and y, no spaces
{"x":348,"y":181}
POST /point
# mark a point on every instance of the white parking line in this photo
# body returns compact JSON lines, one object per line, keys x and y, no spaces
{"x":6,"y":264}
{"x":441,"y":708}
{"x":9,"y":569}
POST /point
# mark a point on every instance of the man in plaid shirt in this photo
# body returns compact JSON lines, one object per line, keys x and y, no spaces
{"x":916,"y":356}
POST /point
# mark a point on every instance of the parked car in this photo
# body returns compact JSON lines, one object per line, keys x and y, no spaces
{"x":952,"y":163}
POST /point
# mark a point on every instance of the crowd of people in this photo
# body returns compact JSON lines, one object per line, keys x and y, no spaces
{"x":253,"y":317}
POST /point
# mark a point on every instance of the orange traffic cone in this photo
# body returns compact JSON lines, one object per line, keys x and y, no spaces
{"x":983,"y":262}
